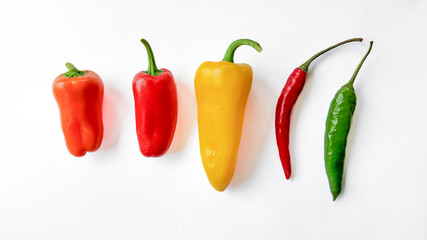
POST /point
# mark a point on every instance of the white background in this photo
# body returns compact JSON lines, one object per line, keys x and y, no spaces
{"x":116,"y":193}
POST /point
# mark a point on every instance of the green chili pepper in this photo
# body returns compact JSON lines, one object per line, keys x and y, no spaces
{"x":337,"y":127}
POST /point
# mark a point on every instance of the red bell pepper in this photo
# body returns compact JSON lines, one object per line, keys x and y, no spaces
{"x":79,"y":95}
{"x":156,"y":107}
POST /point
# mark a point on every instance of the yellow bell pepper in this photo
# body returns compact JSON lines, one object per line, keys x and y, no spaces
{"x":222,"y":89}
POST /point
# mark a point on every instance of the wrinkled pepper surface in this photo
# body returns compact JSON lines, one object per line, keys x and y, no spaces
{"x":337,"y":128}
{"x":79,"y":95}
{"x":222,"y":90}
{"x":156,"y":107}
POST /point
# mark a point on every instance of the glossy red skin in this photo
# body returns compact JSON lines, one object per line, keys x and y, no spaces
{"x":80,"y":105}
{"x":156,"y":111}
{"x":286,"y":102}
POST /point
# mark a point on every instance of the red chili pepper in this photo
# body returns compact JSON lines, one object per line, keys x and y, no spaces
{"x":156,"y":107}
{"x":287,"y":99}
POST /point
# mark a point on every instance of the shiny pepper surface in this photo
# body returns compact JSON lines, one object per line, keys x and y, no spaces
{"x":337,"y":128}
{"x":79,"y":95}
{"x":156,"y":107}
{"x":290,"y":93}
{"x":222,"y":89}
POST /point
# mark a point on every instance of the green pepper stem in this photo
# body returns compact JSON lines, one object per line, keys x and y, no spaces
{"x":152,"y":68}
{"x":229,"y":54}
{"x":71,"y":67}
{"x":305,"y":65}
{"x":350,"y":83}
{"x":73,"y":71}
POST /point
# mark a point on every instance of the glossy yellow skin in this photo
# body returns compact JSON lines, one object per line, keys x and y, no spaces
{"x":222,"y":90}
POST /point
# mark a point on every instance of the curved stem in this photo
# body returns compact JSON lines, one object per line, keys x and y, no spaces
{"x":229,"y":54}
{"x":305,"y":65}
{"x":350,"y":83}
{"x":73,"y":71}
{"x":152,"y":68}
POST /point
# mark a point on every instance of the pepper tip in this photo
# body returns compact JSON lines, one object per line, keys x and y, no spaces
{"x":334,"y":196}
